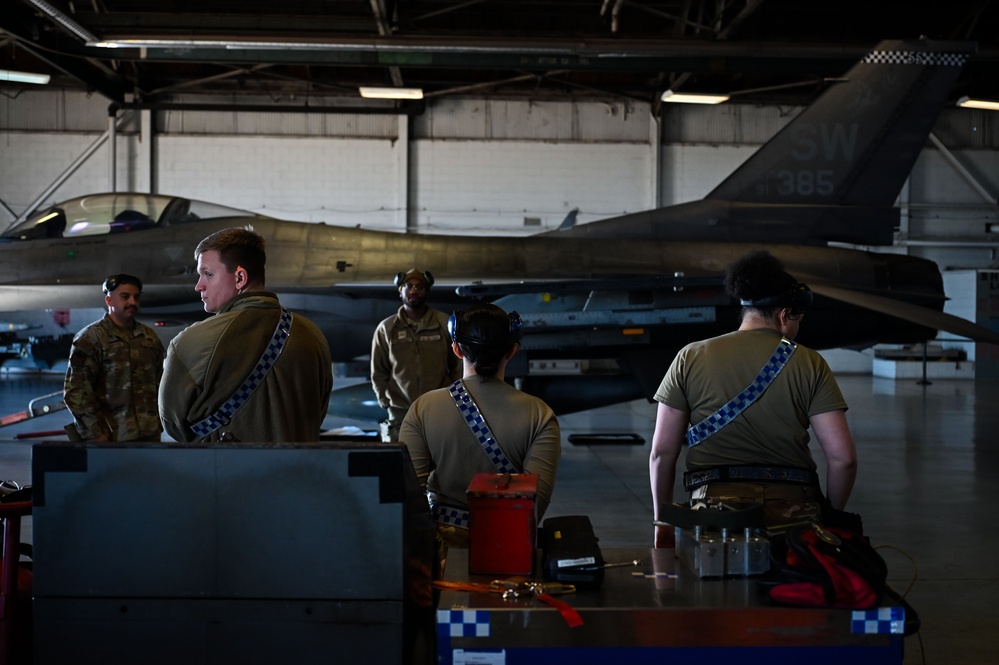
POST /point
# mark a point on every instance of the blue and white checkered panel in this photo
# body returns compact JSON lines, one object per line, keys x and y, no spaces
{"x":209,"y":425}
{"x":225,"y":412}
{"x":497,"y":456}
{"x":480,"y":428}
{"x":451,"y":516}
{"x":915,"y":58}
{"x":879,"y":621}
{"x":747,"y":396}
{"x":464,"y":623}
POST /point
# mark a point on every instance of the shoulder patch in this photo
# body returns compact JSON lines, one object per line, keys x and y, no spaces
{"x":84,"y":344}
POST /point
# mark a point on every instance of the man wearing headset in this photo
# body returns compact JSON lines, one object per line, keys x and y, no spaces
{"x":410,"y":351}
{"x":114,"y":371}
{"x":446,"y":453}
{"x":743,"y":403}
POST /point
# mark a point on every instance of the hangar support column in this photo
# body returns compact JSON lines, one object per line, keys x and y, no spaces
{"x":145,"y":176}
{"x":656,"y":139}
{"x":406,"y":217}
{"x":113,"y":148}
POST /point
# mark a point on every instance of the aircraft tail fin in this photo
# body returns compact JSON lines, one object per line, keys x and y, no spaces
{"x":857,"y":143}
{"x":570,"y":220}
{"x":833,"y":173}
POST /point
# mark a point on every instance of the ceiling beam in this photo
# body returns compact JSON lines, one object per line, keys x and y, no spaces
{"x":29,"y":32}
{"x":464,"y":53}
{"x":140,"y":23}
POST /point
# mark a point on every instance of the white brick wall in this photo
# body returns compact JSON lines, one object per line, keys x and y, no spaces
{"x":690,"y":172}
{"x":496,"y":184}
{"x":31,"y":162}
{"x":338,"y":181}
{"x":481,"y":186}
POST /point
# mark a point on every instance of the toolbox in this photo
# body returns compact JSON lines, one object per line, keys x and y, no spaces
{"x":503,"y":525}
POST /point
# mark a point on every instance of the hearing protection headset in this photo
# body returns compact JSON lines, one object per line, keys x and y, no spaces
{"x":514,"y":334}
{"x":798,"y":298}
{"x":114,"y":281}
{"x":403,"y":277}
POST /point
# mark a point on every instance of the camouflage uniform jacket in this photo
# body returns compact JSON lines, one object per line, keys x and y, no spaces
{"x":112,"y":382}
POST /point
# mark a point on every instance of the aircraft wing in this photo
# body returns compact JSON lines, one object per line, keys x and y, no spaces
{"x":907,"y":311}
{"x":624,"y":283}
{"x":605,"y":302}
{"x":599,"y":290}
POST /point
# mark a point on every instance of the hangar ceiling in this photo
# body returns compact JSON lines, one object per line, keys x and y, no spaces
{"x":293,"y":51}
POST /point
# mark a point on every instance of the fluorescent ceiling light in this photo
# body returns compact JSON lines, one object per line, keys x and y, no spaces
{"x":23,"y":77}
{"x":392,"y":93}
{"x":693,"y":98}
{"x":125,"y":42}
{"x":986,"y":104}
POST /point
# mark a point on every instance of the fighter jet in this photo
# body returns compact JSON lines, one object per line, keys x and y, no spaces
{"x":606,"y":305}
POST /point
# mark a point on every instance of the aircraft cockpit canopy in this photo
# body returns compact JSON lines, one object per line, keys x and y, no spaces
{"x":116,"y":213}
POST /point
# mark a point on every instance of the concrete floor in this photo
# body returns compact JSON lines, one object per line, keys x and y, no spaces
{"x":928,"y":480}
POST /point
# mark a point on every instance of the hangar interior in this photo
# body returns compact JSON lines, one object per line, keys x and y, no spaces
{"x":523,"y":121}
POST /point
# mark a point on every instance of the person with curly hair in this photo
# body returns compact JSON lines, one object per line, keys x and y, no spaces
{"x":744,"y":403}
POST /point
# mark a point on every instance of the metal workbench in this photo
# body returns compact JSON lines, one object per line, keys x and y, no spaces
{"x":658,"y":612}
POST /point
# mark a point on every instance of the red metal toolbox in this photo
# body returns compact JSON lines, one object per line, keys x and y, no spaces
{"x":503,"y":524}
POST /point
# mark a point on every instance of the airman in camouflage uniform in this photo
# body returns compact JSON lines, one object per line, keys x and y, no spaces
{"x":115,"y":366}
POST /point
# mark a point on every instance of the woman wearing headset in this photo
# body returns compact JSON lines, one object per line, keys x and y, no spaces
{"x":743,"y":403}
{"x":447,"y":453}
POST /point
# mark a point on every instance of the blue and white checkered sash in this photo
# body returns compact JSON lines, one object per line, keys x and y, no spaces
{"x":723,"y":416}
{"x":449,"y":515}
{"x":224,"y":413}
{"x":473,"y":418}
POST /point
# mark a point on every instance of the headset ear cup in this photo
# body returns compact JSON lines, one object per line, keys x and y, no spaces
{"x":399,"y":276}
{"x":516,"y":328}
{"x":453,"y":323}
{"x":430,"y":278}
{"x":801,"y":298}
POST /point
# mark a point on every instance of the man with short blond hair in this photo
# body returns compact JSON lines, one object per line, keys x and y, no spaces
{"x":252,"y":372}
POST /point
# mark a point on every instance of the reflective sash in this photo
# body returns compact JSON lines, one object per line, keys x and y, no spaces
{"x":452,"y":515}
{"x":224,"y":413}
{"x":480,"y":428}
{"x":723,"y":416}
{"x":449,"y":515}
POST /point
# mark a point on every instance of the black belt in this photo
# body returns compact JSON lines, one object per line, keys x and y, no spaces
{"x":761,"y":474}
